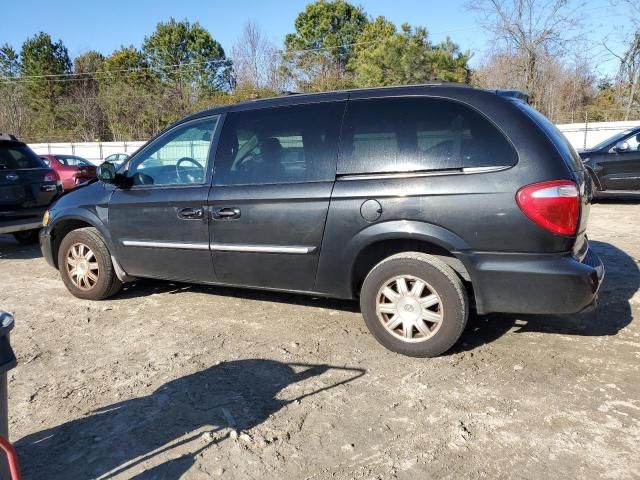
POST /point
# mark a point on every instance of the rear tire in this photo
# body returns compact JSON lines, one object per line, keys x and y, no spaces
{"x":85,"y":265}
{"x":414,"y":304}
{"x":27,"y":237}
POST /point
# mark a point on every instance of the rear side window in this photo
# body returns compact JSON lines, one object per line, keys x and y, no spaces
{"x":417,"y":133}
{"x":279,"y":145}
{"x":15,"y":155}
{"x":72,"y":161}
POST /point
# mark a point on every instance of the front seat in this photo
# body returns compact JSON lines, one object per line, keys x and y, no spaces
{"x":270,"y":169}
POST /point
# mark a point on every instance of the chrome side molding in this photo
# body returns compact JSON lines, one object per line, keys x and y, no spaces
{"x":223,"y":247}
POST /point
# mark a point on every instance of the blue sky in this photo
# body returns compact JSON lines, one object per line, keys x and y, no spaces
{"x":106,"y":25}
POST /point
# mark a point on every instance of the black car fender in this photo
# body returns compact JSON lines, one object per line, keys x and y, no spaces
{"x":336,"y":274}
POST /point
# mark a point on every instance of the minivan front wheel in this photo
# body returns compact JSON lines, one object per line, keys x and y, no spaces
{"x":85,"y":265}
{"x":414,"y":304}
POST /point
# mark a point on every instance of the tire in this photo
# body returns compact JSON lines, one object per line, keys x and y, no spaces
{"x":444,"y":320}
{"x":87,"y":245}
{"x":27,"y":237}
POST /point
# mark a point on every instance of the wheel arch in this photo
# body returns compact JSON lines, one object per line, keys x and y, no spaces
{"x":73,"y":221}
{"x":379,"y":241}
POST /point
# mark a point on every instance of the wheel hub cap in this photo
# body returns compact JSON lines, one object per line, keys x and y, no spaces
{"x":82,"y":266}
{"x":409,"y":308}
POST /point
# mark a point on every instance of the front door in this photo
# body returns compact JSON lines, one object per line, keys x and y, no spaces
{"x":159,"y":224}
{"x":622,"y":168}
{"x":274,"y":174}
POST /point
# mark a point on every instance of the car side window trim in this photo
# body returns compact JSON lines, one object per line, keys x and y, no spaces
{"x":208,"y":177}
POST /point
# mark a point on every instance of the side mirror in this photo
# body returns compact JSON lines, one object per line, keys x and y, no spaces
{"x":621,"y":146}
{"x":107,"y":172}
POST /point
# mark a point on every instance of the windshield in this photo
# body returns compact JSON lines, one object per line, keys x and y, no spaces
{"x":615,"y":139}
{"x":16,"y":155}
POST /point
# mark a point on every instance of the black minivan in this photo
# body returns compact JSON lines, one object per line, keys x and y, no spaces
{"x":421,"y":201}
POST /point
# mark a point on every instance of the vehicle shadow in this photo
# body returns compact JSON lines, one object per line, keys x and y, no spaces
{"x":12,"y":250}
{"x":613,"y":313}
{"x":108,"y":442}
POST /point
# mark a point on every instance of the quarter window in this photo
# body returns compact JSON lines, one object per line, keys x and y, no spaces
{"x":279,"y":145}
{"x":178,"y":157}
{"x":412,"y":134}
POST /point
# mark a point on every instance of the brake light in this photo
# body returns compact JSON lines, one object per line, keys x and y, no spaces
{"x":553,"y":205}
{"x":50,"y":177}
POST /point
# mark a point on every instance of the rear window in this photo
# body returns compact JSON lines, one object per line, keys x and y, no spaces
{"x":15,"y":155}
{"x":561,"y":143}
{"x":417,"y":133}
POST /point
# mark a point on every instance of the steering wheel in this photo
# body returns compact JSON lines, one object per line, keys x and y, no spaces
{"x":188,"y":175}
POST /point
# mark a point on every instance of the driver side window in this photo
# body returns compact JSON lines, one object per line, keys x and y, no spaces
{"x":178,"y":157}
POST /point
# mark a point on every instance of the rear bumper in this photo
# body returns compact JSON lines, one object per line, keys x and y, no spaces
{"x":534,"y":283}
{"x":45,"y":246}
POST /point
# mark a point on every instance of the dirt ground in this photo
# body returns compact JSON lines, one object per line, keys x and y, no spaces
{"x":179,"y":381}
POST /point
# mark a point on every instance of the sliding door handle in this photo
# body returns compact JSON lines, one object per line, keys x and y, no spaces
{"x":225,"y":213}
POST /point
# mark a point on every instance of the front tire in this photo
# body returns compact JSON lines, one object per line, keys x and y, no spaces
{"x":85,"y":265}
{"x":414,"y":304}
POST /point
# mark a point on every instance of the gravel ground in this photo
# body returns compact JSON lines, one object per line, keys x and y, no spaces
{"x":179,"y":381}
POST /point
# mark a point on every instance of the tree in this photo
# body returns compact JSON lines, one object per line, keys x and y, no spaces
{"x":14,"y":117}
{"x":385,"y":56}
{"x":187,"y":59}
{"x":320,"y":49}
{"x":43,"y":65}
{"x":82,"y":104}
{"x":256,"y":61}
{"x":528,"y":33}
{"x":130,"y":96}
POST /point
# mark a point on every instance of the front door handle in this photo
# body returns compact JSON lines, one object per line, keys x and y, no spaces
{"x":225,"y":213}
{"x":190,"y":213}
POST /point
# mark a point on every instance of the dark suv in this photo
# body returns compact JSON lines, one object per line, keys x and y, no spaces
{"x":420,"y":201}
{"x":27,"y":187}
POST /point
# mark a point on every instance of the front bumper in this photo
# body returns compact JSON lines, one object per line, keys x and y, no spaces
{"x":534,"y":283}
{"x":45,"y":246}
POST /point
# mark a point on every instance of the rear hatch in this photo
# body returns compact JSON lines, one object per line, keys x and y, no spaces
{"x":27,"y":185}
{"x":573,"y":162}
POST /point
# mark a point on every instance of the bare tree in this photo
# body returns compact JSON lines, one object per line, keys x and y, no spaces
{"x":528,"y":33}
{"x":256,"y":60}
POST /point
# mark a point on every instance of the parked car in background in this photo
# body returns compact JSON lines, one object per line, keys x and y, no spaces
{"x":419,"y":201}
{"x":72,"y":170}
{"x":117,"y":158}
{"x":614,"y":164}
{"x":27,"y":187}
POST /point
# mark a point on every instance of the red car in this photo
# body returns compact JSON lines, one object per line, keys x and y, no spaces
{"x":72,"y":170}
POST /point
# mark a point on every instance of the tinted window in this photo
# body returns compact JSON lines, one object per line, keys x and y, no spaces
{"x":279,"y":145}
{"x":411,"y":134}
{"x":178,"y":157}
{"x":14,"y":155}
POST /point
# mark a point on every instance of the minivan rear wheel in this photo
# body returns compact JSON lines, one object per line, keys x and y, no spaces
{"x":414,"y":304}
{"x":85,"y":265}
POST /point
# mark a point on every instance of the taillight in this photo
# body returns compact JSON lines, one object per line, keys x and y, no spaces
{"x":50,"y":177}
{"x":553,"y":205}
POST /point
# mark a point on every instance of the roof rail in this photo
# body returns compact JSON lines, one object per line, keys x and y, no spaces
{"x":515,"y":94}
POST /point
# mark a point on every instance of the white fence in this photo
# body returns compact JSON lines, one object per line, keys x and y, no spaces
{"x":579,"y":134}
{"x":95,"y":152}
{"x":594,"y":133}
